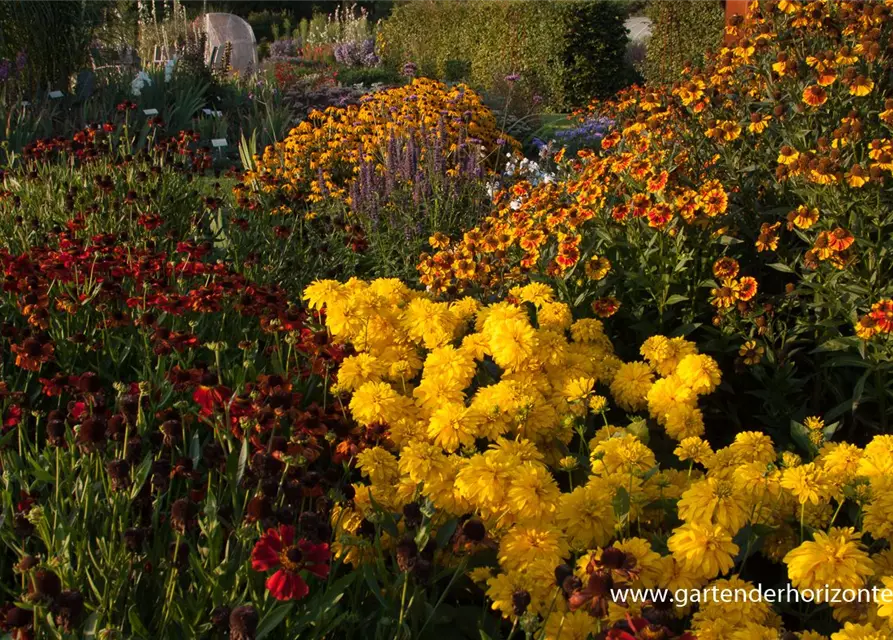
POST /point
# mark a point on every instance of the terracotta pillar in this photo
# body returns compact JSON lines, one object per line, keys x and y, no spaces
{"x":733,"y":8}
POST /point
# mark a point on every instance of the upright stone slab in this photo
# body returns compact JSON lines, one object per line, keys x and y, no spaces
{"x":226,"y":27}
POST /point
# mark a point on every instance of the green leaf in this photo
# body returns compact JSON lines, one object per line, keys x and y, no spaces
{"x":272,"y":620}
{"x":91,"y":624}
{"x":445,"y":533}
{"x":139,"y":479}
{"x":195,"y":449}
{"x":836,"y":344}
{"x":839,"y":410}
{"x":676,"y":299}
{"x":800,"y":435}
{"x":243,"y":461}
{"x":778,"y":266}
{"x":373,"y":585}
{"x":40,"y":473}
{"x":136,"y":625}
{"x":621,"y":502}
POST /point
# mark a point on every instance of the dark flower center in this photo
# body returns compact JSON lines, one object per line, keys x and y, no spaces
{"x":33,"y":348}
{"x":291,"y":558}
{"x":294,"y":555}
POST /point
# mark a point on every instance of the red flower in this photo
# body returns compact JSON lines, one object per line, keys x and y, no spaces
{"x":12,"y":417}
{"x":209,"y":398}
{"x":278,"y":550}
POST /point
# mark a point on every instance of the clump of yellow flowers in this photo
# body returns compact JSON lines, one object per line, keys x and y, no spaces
{"x":499,"y":418}
{"x":322,"y":156}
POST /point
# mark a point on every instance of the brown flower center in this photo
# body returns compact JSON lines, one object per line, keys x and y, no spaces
{"x":291,"y":557}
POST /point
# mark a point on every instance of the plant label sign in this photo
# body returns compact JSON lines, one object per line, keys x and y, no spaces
{"x":150,"y":112}
{"x":218,"y":142}
{"x":212,"y":112}
{"x":55,"y":94}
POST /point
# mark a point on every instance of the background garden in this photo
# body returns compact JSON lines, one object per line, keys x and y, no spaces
{"x":439,"y":319}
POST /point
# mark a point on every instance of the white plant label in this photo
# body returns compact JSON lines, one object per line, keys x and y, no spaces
{"x":150,"y":112}
{"x":218,"y":142}
{"x":55,"y":95}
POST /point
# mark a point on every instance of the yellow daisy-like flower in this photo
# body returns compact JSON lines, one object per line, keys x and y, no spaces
{"x":631,"y":384}
{"x":573,"y":625}
{"x":694,"y":449}
{"x":524,"y":545}
{"x":807,"y":482}
{"x":699,"y":372}
{"x":714,"y":501}
{"x":586,"y":515}
{"x":853,"y":631}
{"x":707,"y":550}
{"x":836,"y":559}
{"x":534,"y":494}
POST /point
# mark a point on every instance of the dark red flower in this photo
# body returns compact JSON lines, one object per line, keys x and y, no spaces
{"x":278,"y":550}
{"x":12,"y":416}
{"x":209,"y":397}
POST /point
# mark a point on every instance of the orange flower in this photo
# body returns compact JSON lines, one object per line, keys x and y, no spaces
{"x":758,"y":123}
{"x":861,"y":86}
{"x":882,"y":314}
{"x":815,"y":96}
{"x":725,"y":267}
{"x":747,"y":288}
{"x":31,"y":354}
{"x":610,"y":140}
{"x":726,"y":295}
{"x":656,"y":185}
{"x":606,"y":307}
{"x":713,"y":199}
{"x":803,"y":217}
{"x":856,"y":178}
{"x":768,"y":239}
{"x":439,"y":241}
{"x":659,"y":215}
{"x":840,"y":239}
{"x":597,"y":267}
{"x":866,"y":328}
{"x":788,"y":155}
{"x":827,"y":76}
{"x":751,"y":353}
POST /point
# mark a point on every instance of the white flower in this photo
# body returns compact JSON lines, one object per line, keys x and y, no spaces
{"x":169,"y":69}
{"x":141,"y":80}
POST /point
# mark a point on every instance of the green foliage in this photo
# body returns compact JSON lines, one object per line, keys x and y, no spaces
{"x":682,"y":32}
{"x":55,"y":35}
{"x":566,"y":52}
{"x":266,"y":23}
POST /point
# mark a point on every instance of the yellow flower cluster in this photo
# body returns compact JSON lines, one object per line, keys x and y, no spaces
{"x":322,"y":156}
{"x":492,"y":415}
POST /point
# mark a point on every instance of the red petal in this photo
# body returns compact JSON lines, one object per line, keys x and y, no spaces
{"x":319,"y":570}
{"x":284,"y":585}
{"x":315,"y":553}
{"x":265,"y":555}
{"x":287,"y":534}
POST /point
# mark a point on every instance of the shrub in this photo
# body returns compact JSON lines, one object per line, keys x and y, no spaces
{"x":55,"y":35}
{"x":681,"y":32}
{"x":263,"y":22}
{"x":565,"y":51}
